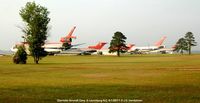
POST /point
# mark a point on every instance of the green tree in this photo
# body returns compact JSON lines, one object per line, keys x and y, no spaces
{"x":20,"y":56}
{"x":181,"y":45}
{"x":117,"y":43}
{"x":36,"y":26}
{"x":190,"y":41}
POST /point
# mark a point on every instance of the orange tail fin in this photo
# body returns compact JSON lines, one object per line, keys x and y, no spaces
{"x":69,"y":37}
{"x":160,"y":42}
{"x":98,"y":46}
{"x":130,"y":46}
{"x":70,"y":33}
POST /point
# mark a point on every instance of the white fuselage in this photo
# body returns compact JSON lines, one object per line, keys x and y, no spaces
{"x":164,"y":50}
{"x":144,"y":48}
{"x":105,"y":52}
{"x":48,"y":47}
{"x":53,"y":47}
{"x":147,"y":48}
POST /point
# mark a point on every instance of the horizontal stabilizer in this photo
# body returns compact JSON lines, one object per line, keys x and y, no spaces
{"x":98,"y":46}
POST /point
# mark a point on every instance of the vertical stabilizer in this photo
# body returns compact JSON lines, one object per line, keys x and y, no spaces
{"x":160,"y":42}
{"x":70,"y":33}
{"x":69,"y":37}
{"x":129,"y":46}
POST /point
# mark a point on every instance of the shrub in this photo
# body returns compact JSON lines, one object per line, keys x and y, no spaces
{"x":20,"y":56}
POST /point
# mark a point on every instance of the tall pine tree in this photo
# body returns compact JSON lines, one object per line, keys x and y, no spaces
{"x":117,"y":43}
{"x":181,"y":45}
{"x":189,"y":37}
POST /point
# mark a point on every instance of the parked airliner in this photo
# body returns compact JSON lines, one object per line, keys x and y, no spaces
{"x":105,"y":51}
{"x":156,"y":46}
{"x":83,"y":51}
{"x":52,"y":47}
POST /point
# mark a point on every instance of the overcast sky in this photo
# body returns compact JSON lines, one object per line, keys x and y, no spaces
{"x":142,"y":21}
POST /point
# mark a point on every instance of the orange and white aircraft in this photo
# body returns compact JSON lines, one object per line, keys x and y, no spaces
{"x":88,"y":50}
{"x":93,"y":50}
{"x":58,"y":47}
{"x":156,"y":46}
{"x":105,"y":51}
{"x":52,"y":47}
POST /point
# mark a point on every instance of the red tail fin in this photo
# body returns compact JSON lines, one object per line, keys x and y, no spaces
{"x":98,"y":46}
{"x":70,"y":33}
{"x":159,"y":43}
{"x":69,"y":37}
{"x":130,"y":46}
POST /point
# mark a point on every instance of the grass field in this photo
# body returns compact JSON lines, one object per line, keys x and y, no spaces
{"x":151,"y":78}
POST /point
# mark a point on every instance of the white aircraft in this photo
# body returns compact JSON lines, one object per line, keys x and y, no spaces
{"x":156,"y":46}
{"x":51,"y":47}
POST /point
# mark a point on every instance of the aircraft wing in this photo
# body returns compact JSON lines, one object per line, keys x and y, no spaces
{"x":78,"y":44}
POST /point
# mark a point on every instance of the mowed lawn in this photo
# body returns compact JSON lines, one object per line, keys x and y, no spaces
{"x":150,"y":78}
